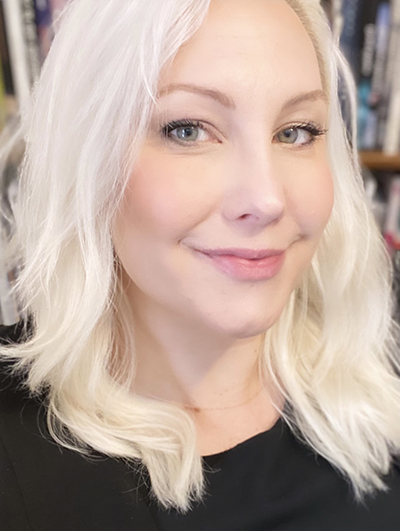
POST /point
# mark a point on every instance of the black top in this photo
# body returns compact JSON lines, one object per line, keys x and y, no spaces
{"x":273,"y":482}
{"x":269,"y":482}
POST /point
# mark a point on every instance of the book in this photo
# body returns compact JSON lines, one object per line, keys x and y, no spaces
{"x":31,"y":39}
{"x":44,"y":26}
{"x":351,"y":34}
{"x":391,"y":231}
{"x":389,"y":128}
{"x":375,"y":100}
{"x":5,"y":56}
{"x":23,"y":45}
{"x":367,"y":59}
{"x":391,"y":144}
{"x":15,"y":33}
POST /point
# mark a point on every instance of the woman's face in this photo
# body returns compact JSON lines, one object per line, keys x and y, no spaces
{"x":232,"y":189}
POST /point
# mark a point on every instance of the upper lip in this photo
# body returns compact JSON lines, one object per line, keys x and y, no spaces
{"x":250,"y":254}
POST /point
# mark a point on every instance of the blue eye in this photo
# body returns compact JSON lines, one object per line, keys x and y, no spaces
{"x":300,"y":135}
{"x":184,"y":131}
{"x":188,"y":132}
{"x":288,"y":136}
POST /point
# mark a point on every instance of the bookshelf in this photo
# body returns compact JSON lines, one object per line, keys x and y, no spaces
{"x":373,"y":57}
{"x":378,"y":161}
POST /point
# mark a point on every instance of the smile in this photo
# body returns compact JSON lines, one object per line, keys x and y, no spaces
{"x":245,"y":264}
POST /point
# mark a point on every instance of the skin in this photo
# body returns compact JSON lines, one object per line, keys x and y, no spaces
{"x":199,"y":331}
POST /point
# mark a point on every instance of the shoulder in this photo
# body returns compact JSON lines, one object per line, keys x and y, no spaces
{"x":12,"y":507}
{"x":38,"y":476}
{"x":14,"y":395}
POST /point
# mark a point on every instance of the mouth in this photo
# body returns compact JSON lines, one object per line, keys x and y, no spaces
{"x":248,"y":254}
{"x":245,"y":264}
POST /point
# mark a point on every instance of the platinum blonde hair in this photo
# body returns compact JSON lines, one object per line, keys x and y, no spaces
{"x":332,"y":352}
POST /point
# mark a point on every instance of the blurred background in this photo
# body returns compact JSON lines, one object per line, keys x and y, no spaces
{"x":368,"y":32}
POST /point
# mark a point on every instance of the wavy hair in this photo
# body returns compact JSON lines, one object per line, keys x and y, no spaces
{"x":333,"y":350}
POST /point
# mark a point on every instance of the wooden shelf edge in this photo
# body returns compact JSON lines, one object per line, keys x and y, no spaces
{"x":376,"y":160}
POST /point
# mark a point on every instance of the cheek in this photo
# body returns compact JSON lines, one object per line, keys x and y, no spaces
{"x":163,"y":200}
{"x":311,"y":209}
{"x":312,"y":202}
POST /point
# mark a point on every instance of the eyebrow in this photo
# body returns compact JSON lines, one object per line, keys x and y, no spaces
{"x":314,"y":95}
{"x":228,"y":102}
{"x":216,"y":95}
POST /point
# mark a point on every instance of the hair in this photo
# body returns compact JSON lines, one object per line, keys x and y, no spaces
{"x":333,"y":350}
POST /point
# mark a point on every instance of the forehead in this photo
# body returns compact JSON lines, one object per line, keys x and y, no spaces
{"x":248,"y":43}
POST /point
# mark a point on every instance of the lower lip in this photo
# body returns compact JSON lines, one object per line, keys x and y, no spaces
{"x":244,"y":269}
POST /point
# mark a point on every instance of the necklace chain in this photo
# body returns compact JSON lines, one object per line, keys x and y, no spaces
{"x":198,"y":408}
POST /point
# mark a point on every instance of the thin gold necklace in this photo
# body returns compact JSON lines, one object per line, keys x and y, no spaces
{"x":198,"y":409}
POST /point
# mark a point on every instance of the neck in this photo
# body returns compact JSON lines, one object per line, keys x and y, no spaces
{"x":183,"y":364}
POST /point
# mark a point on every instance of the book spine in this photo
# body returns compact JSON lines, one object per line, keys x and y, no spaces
{"x":5,"y":55}
{"x":17,"y":48}
{"x":388,"y":74}
{"x":391,"y":144}
{"x":44,"y":26}
{"x":31,"y":39}
{"x":391,"y":228}
{"x":382,"y":43}
{"x":390,"y":121}
{"x":368,"y":49}
{"x":351,"y":32}
{"x":393,"y":40}
{"x":378,"y":75}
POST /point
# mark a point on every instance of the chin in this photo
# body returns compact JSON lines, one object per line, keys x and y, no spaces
{"x":241,"y":326}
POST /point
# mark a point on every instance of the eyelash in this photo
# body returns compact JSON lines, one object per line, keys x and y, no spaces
{"x":175,"y":124}
{"x":313,"y":129}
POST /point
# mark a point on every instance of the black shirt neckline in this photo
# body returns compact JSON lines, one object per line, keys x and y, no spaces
{"x":273,"y":431}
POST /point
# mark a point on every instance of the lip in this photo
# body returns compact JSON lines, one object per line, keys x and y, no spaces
{"x":245,"y":264}
{"x":249,"y":254}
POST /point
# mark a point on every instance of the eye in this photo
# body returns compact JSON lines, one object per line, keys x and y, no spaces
{"x":300,"y":135}
{"x":185,"y":132}
{"x":290,"y":136}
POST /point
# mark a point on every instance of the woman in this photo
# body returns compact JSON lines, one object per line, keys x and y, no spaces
{"x":209,"y":295}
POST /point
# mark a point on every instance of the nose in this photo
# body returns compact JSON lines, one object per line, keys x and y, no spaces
{"x":255,"y":195}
